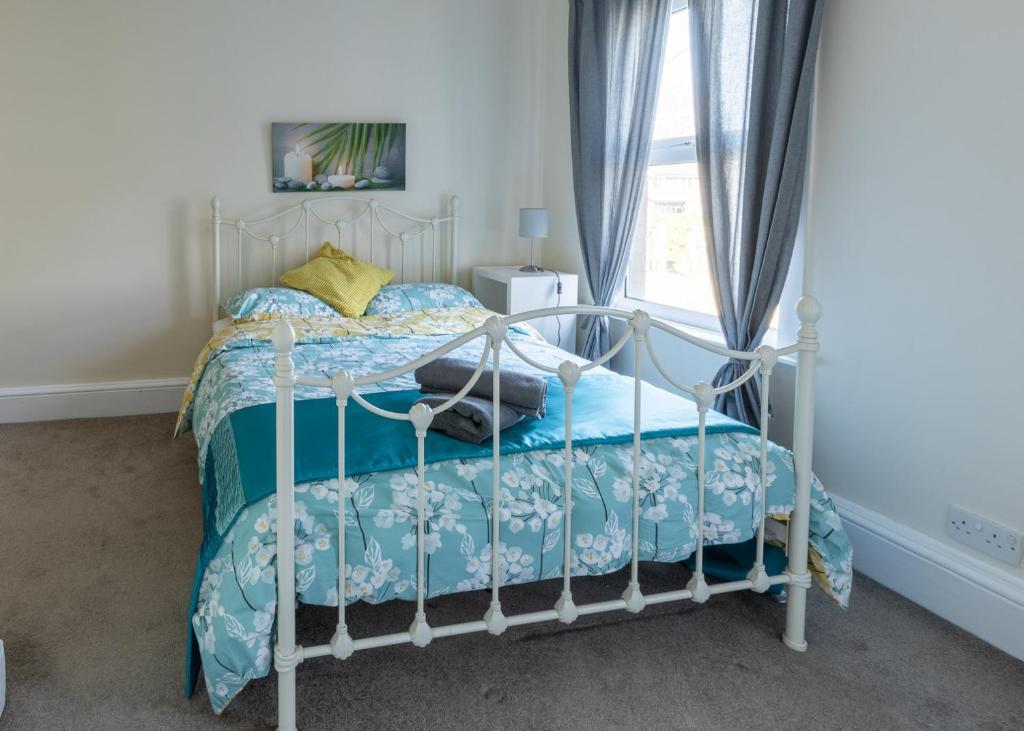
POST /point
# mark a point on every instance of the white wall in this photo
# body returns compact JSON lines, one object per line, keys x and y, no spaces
{"x":122,"y":119}
{"x":919,"y":257}
{"x":917,"y":188}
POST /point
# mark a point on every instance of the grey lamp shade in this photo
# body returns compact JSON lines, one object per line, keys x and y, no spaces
{"x":533,"y":223}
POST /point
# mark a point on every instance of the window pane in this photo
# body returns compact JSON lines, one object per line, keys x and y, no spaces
{"x":669,"y":263}
{"x":674,"y":116}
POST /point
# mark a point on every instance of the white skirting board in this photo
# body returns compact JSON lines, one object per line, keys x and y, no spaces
{"x":88,"y":400}
{"x":968,"y":592}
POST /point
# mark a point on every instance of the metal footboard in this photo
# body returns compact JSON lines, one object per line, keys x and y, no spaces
{"x":287,"y":655}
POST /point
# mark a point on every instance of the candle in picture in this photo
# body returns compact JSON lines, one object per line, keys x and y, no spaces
{"x":341,"y":181}
{"x":298,"y":165}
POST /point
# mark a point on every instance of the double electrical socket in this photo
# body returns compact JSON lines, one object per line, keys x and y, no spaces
{"x":984,"y":535}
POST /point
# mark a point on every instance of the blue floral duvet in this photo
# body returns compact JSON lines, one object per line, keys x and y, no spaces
{"x":234,"y":617}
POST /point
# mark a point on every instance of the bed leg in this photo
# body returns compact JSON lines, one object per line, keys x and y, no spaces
{"x":808,"y":310}
{"x":286,"y":700}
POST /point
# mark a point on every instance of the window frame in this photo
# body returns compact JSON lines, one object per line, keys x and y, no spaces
{"x":672,"y":150}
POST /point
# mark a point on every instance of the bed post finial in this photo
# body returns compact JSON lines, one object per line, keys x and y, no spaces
{"x":809,"y":311}
{"x":283,"y":338}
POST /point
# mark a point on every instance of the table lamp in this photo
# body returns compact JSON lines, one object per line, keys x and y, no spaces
{"x":533,"y":225}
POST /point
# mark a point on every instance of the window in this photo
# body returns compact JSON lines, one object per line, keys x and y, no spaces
{"x":669,"y":264}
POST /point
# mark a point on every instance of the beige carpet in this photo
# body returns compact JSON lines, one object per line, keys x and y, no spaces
{"x":99,"y":525}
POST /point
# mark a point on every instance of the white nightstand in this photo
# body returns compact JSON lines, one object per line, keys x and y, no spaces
{"x":509,"y":291}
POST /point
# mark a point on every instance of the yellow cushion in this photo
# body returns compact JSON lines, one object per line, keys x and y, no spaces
{"x":342,"y":281}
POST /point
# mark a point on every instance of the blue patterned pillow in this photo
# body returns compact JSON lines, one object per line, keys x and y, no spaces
{"x":271,"y":303}
{"x":395,"y":298}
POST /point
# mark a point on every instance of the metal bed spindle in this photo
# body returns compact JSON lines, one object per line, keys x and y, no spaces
{"x":305,"y":218}
{"x":274,"y":241}
{"x":632,"y":596}
{"x":240,"y":228}
{"x":697,"y":586}
{"x":420,"y":415}
{"x":434,"y":223}
{"x":494,"y":618}
{"x":404,"y":239}
{"x":215,"y":221}
{"x":569,"y":374}
{"x":372,"y":227}
{"x":341,"y":643}
{"x":757,"y":576}
{"x":454,"y":204}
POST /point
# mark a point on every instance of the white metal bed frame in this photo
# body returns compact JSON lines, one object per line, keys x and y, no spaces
{"x":288,"y":655}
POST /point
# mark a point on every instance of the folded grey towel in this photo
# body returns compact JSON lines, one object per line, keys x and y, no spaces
{"x":526,"y":394}
{"x":470,"y":419}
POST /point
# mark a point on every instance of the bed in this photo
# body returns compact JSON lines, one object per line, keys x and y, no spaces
{"x":310,"y":421}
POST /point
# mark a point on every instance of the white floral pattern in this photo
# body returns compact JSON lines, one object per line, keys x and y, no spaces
{"x":395,"y":298}
{"x":271,"y":303}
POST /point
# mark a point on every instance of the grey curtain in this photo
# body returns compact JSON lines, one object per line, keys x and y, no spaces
{"x":753,"y":75}
{"x":615,"y":49}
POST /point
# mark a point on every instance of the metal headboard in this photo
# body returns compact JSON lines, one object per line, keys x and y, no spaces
{"x":307,"y":221}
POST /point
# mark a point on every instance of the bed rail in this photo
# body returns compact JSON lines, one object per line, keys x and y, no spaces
{"x":288,"y":655}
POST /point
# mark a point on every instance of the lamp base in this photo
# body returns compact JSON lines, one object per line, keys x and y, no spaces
{"x":530,"y":268}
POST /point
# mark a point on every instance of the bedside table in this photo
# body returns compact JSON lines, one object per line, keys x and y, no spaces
{"x":508,"y":291}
